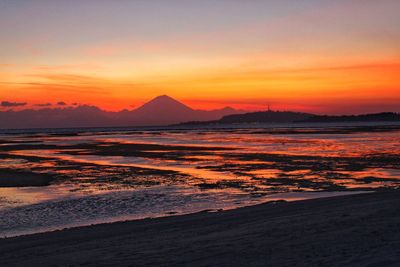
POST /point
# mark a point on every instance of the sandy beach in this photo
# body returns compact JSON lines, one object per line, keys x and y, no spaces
{"x":356,"y":230}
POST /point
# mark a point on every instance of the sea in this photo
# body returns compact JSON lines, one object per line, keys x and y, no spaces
{"x":51,"y":179}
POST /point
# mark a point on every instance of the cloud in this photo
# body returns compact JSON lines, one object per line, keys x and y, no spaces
{"x":66,"y":67}
{"x":43,"y":105}
{"x":61,"y":103}
{"x":68,"y":78}
{"x":12,"y":104}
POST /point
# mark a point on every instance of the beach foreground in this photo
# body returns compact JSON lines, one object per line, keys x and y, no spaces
{"x":355,"y":230}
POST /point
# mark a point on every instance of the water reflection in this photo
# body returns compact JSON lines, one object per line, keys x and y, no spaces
{"x":232,"y":167}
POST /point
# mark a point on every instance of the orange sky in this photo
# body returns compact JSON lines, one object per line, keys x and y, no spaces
{"x":315,"y":56}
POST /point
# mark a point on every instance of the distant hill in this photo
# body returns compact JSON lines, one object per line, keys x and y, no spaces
{"x":162,"y":110}
{"x":384,"y":116}
{"x":259,"y":117}
{"x":295,"y":117}
{"x":266,"y":117}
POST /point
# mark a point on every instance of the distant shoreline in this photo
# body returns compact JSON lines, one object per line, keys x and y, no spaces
{"x":202,"y":125}
{"x":274,"y":234}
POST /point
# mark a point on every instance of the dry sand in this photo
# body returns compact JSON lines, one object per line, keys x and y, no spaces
{"x":356,"y":230}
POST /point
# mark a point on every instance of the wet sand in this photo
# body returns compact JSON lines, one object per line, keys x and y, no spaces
{"x":17,"y":178}
{"x":356,"y":230}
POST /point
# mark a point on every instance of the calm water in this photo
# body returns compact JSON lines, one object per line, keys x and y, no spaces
{"x":118,"y":174}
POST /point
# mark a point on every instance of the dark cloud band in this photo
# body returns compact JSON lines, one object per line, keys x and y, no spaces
{"x":12,"y":104}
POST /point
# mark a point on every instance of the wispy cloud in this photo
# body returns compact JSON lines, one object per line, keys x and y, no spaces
{"x":68,"y":78}
{"x":43,"y":105}
{"x":12,"y":104}
{"x":61,"y":103}
{"x":66,"y":67}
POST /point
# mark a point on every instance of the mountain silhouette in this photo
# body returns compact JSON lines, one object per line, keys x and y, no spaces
{"x":163,"y":103}
{"x":162,"y":110}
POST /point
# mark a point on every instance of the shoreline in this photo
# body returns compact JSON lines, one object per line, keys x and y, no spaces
{"x":33,"y":209}
{"x":355,"y":229}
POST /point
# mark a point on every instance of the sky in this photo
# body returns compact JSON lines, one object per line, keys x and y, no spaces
{"x":327,"y":57}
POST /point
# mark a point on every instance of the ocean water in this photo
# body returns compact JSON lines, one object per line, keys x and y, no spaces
{"x":112,"y":174}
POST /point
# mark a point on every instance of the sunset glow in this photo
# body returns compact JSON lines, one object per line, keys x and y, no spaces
{"x":336,"y":57}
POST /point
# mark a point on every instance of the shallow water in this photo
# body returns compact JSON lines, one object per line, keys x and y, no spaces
{"x":115,"y":175}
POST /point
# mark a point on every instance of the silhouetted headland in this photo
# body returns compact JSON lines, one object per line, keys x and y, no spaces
{"x":296,"y":117}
